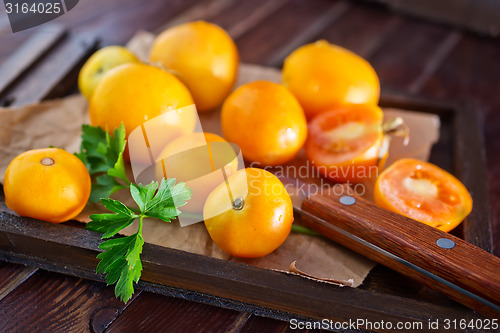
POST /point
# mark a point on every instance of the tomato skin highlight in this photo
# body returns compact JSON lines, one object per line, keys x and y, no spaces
{"x":256,"y":226}
{"x":344,"y":143}
{"x":424,"y":192}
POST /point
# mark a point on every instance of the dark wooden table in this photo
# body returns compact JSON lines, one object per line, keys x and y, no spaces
{"x":409,"y":55}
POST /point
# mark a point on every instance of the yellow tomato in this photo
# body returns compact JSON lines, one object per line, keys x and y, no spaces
{"x":265,"y":120}
{"x":146,"y":143}
{"x":133,"y":94}
{"x":249,"y":216}
{"x":196,"y":159}
{"x":204,"y":55}
{"x":47,"y":184}
{"x":324,"y":76}
{"x":99,"y":64}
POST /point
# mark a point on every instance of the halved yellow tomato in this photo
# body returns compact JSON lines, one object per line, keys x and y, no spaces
{"x":424,"y":192}
{"x":345,"y":143}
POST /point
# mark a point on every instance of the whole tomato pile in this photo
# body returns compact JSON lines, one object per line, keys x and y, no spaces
{"x":327,"y":104}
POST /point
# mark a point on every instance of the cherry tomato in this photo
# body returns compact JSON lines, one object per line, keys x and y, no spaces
{"x":344,"y":143}
{"x":204,"y":55}
{"x":423,"y":192}
{"x":249,"y":216}
{"x":49,"y":184}
{"x":186,"y":160}
{"x":324,"y":76}
{"x":265,"y":120}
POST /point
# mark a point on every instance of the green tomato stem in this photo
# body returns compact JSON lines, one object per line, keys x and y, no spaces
{"x":298,"y":229}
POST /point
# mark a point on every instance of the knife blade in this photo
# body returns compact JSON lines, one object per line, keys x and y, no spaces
{"x":441,"y":261}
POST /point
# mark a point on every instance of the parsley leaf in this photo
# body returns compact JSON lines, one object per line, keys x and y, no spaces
{"x":109,"y":224}
{"x":163,"y":205}
{"x":142,"y":194}
{"x":102,"y":154}
{"x":121,"y":260}
{"x":103,"y":186}
{"x":121,"y":257}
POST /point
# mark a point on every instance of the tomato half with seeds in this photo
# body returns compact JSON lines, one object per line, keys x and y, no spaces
{"x":345,"y":144}
{"x":424,"y":192}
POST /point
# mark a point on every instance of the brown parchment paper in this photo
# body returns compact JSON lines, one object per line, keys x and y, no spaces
{"x":58,"y":122}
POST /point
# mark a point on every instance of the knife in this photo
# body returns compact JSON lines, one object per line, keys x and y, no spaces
{"x":460,"y":270}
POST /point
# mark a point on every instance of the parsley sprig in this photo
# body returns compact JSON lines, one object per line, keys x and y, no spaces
{"x":102,"y":154}
{"x":121,"y":257}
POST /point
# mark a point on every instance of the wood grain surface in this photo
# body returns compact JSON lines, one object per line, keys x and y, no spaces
{"x":409,"y":55}
{"x":26,"y":56}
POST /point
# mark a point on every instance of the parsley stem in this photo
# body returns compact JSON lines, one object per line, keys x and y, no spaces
{"x":139,"y":231}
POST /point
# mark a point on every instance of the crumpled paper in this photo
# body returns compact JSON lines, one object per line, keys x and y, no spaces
{"x":58,"y":123}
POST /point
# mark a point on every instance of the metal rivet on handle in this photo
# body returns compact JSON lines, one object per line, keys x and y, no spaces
{"x":347,"y":200}
{"x":445,"y":243}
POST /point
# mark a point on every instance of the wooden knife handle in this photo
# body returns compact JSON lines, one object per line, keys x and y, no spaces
{"x":466,"y":266}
